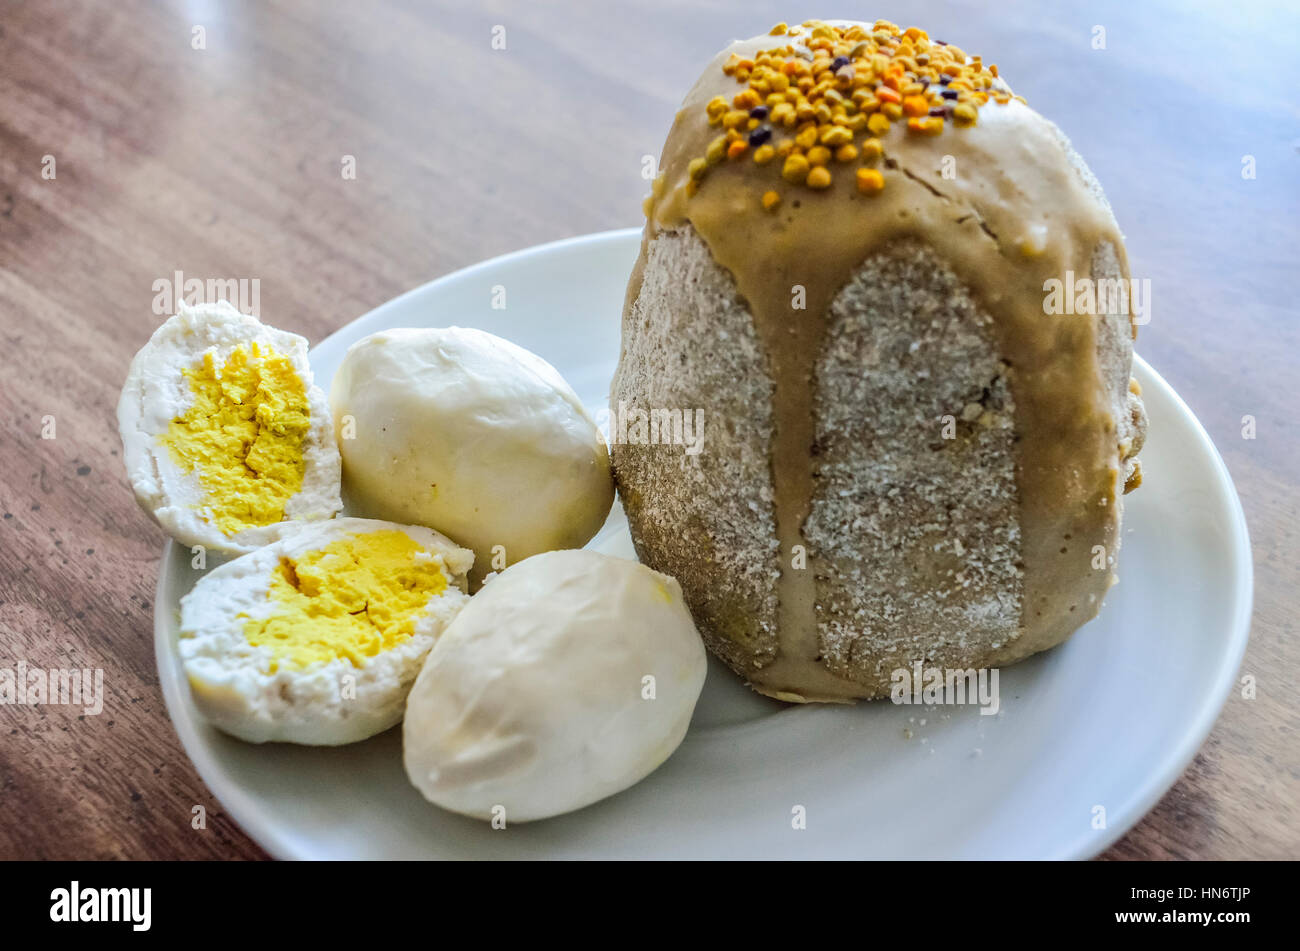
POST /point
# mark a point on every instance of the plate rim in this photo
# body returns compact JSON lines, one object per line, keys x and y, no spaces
{"x":243,"y":807}
{"x":1178,"y":759}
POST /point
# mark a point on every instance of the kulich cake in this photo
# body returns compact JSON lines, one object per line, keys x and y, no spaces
{"x":909,"y":457}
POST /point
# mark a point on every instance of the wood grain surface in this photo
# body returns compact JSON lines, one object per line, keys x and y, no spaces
{"x":226,"y":161}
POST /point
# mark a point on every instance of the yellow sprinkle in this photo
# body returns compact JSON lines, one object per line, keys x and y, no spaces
{"x":807,"y":138}
{"x":836,"y":135}
{"x":871,"y":150}
{"x":878,"y":124}
{"x":717,"y":149}
{"x":715,"y":109}
{"x":846,"y":153}
{"x":819,"y":155}
{"x":735,"y":118}
{"x":892,"y":110}
{"x":964,"y":113}
{"x":763,"y":154}
{"x":795,"y":169}
{"x":771,"y":200}
{"x":819,"y":178}
{"x":870,"y":182}
{"x":779,"y":30}
{"x":1031,"y":247}
{"x":697,"y":168}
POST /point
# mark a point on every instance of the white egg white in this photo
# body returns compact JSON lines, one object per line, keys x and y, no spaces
{"x":156,"y":392}
{"x":329,"y":702}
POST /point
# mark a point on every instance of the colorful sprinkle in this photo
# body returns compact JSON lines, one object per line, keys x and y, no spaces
{"x":807,"y":100}
{"x":795,"y":169}
{"x":870,"y":182}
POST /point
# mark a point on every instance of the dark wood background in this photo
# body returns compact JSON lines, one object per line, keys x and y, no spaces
{"x":226,"y":162}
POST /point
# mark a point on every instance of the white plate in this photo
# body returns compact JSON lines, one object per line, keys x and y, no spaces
{"x":1109,"y":719}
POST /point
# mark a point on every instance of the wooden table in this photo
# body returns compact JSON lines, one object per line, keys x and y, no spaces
{"x":228,"y":161}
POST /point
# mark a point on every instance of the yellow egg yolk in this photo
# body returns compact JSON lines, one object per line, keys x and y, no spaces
{"x":244,"y":435}
{"x":351,"y":599}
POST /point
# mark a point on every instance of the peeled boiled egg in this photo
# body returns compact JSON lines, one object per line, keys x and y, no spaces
{"x":225,"y":435}
{"x":317,"y":637}
{"x":469,"y":434}
{"x":568,"y":677}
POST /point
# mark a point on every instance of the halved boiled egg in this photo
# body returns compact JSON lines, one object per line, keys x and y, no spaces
{"x":225,"y":436}
{"x":317,"y":637}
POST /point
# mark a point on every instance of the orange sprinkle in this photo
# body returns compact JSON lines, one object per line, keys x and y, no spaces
{"x":916,"y":106}
{"x":930,"y":125}
{"x":870,"y":182}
